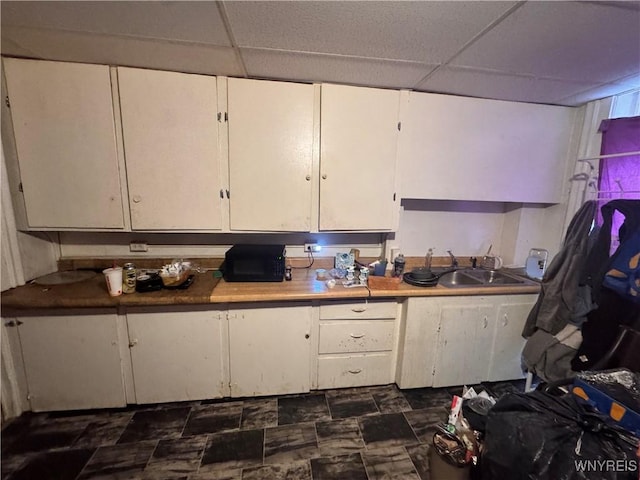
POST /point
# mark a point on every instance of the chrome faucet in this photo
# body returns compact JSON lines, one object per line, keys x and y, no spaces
{"x":454,"y":260}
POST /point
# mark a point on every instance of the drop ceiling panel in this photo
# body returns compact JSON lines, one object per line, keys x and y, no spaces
{"x":495,"y":85}
{"x":565,"y":40}
{"x":127,"y":51}
{"x":602,"y":91}
{"x":428,"y":32}
{"x":301,"y":67}
{"x":189,"y":21}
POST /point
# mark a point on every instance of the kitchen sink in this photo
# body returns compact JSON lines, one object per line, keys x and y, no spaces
{"x":494,"y":277}
{"x":458,"y":279}
{"x":481,"y":278}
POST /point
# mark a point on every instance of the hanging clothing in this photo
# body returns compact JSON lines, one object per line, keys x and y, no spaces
{"x":553,"y":325}
{"x":561,"y":299}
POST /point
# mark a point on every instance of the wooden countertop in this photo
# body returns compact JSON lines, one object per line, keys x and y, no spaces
{"x":206,"y":289}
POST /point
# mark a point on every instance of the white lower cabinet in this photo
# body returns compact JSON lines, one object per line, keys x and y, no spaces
{"x":71,"y":362}
{"x":463,"y":346}
{"x":178,"y":354}
{"x":449,"y":341}
{"x":269,"y":349}
{"x":356,"y":344}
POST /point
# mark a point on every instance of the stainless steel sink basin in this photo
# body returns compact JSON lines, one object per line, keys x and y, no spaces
{"x":481,"y":278}
{"x":494,"y":277}
{"x":459,"y":279}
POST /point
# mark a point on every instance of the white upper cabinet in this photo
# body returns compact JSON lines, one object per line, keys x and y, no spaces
{"x":170,"y":132}
{"x":270,"y":155}
{"x":63,"y":122}
{"x":359,"y":133}
{"x":457,"y":148}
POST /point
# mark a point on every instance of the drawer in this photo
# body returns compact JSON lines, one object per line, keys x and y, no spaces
{"x":354,"y":370}
{"x":354,"y":310}
{"x":356,"y":336}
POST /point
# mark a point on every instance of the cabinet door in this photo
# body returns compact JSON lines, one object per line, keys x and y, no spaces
{"x":177,"y":355}
{"x":464,"y":345}
{"x":66,"y":145}
{"x":359,"y":131}
{"x":269,"y":350}
{"x":457,"y":148}
{"x":72,"y":362}
{"x":417,"y":342}
{"x":270,"y":155}
{"x":170,"y":131}
{"x":508,"y":343}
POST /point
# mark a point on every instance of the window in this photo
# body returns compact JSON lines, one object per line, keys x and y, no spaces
{"x":619,"y":177}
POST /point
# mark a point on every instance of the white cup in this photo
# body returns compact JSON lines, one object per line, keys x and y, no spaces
{"x":114,"y":280}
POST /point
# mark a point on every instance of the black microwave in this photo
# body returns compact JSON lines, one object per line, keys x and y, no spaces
{"x":254,"y":263}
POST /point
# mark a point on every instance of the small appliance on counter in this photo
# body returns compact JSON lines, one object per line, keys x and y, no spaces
{"x":254,"y":263}
{"x":536,"y":263}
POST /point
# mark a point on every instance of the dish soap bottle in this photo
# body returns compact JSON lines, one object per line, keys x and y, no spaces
{"x":398,"y":265}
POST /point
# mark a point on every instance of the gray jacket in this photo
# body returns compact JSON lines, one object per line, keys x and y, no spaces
{"x":561,"y":301}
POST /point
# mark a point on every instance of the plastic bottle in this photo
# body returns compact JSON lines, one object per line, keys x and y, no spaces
{"x":398,"y":265}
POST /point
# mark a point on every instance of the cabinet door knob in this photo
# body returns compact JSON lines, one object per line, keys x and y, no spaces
{"x":308,"y":177}
{"x":353,"y":335}
{"x":355,"y":372}
{"x":505,"y":320}
{"x":324,"y":176}
{"x":306,"y":335}
{"x":133,"y":343}
{"x":359,"y":309}
{"x":137,"y":199}
{"x":485,"y":322}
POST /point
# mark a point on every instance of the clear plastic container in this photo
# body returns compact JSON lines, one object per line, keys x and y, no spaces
{"x":536,"y":263}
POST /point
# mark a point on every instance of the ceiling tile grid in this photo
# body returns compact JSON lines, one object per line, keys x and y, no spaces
{"x":555,"y":52}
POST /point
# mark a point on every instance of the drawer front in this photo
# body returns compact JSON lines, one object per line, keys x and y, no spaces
{"x":356,"y":336}
{"x":354,"y":310}
{"x":354,"y":370}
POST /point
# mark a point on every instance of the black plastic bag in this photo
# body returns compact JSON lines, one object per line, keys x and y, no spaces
{"x":542,"y":437}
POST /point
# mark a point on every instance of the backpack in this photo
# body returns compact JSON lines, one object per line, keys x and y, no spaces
{"x":623,"y":272}
{"x":620,"y":272}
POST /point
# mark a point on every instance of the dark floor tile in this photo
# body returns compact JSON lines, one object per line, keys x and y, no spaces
{"x":119,"y":461}
{"x":300,"y":470}
{"x":155,"y":425}
{"x":303,"y":408}
{"x":389,"y":399}
{"x":424,"y":422}
{"x":387,"y":430}
{"x":345,"y":404}
{"x":420,"y":398}
{"x":339,"y":437}
{"x":259,"y":413}
{"x":234,"y":474}
{"x":389,"y":464}
{"x":17,"y":427}
{"x":233,"y":450}
{"x":46,"y":437}
{"x":288,"y":443}
{"x":213,"y":419}
{"x":104,"y":430}
{"x":11,"y":463}
{"x":61,"y":465}
{"x":176,"y":457}
{"x":343,"y":467}
{"x":419,"y":455}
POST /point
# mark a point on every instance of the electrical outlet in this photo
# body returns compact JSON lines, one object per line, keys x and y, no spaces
{"x":138,"y":247}
{"x":311,"y":247}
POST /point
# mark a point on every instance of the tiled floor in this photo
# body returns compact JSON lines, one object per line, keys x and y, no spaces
{"x":365,"y":433}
